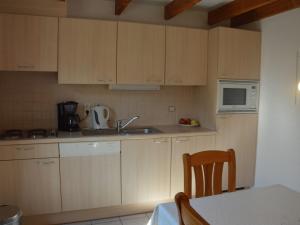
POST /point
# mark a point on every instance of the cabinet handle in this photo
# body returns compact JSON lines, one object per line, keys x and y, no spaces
{"x":180,"y":140}
{"x":159,"y":141}
{"x":45,"y":162}
{"x":26,"y":67}
{"x":25,"y":148}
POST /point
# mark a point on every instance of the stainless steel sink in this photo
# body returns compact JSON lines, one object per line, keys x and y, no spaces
{"x":143,"y":130}
{"x":99,"y":132}
{"x":128,"y":131}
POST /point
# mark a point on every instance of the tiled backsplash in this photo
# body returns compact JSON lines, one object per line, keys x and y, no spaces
{"x":28,"y":100}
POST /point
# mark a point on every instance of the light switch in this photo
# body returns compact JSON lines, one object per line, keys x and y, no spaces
{"x":172,"y":108}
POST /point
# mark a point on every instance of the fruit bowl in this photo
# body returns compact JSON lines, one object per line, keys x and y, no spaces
{"x":187,"y":122}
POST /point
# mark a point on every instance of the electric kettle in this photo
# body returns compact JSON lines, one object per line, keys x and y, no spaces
{"x":100,"y":117}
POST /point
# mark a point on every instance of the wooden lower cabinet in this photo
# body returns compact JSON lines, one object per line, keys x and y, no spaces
{"x":33,"y":185}
{"x":145,"y":170}
{"x":239,"y":131}
{"x":90,"y":175}
{"x":181,"y":145}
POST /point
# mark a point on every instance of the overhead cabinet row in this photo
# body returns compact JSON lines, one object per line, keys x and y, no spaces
{"x":108,"y":52}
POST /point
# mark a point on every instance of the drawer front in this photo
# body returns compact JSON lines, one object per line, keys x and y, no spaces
{"x":34,"y":151}
{"x":89,"y":149}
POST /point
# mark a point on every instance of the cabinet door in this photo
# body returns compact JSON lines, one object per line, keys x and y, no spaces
{"x":87,"y":51}
{"x":38,"y":186}
{"x":8,"y":183}
{"x":90,"y":175}
{"x":28,"y":43}
{"x":145,"y":170}
{"x":34,"y":7}
{"x":186,"y":56}
{"x":191,"y":145}
{"x":239,"y":54}
{"x":239,"y":132}
{"x":141,"y":53}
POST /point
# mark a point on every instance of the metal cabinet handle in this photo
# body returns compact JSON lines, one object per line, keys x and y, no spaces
{"x":25,"y":148}
{"x":180,"y":140}
{"x":45,"y":162}
{"x":26,"y":66}
{"x":159,"y":141}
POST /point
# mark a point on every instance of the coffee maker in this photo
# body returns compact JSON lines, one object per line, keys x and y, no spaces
{"x":68,"y":119}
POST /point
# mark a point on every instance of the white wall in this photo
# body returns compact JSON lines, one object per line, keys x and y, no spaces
{"x":136,"y":11}
{"x":278,"y":156}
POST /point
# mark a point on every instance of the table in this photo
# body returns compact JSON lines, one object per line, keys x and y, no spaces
{"x":274,"y":205}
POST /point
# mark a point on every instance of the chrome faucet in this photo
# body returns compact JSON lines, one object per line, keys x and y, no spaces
{"x":121,"y":126}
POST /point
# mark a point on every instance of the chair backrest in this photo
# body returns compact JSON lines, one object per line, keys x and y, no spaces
{"x":187,"y":215}
{"x":208,"y":170}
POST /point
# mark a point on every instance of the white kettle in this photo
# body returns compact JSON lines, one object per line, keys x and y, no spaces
{"x":100,"y":117}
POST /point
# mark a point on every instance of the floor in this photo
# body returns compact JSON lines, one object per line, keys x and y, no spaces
{"x":139,"y":219}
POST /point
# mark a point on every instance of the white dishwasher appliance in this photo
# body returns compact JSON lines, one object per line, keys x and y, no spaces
{"x":90,"y":175}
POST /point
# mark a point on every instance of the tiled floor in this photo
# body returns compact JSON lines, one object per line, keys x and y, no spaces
{"x":139,"y":219}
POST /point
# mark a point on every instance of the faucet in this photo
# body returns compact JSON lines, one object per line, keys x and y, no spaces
{"x":121,"y":126}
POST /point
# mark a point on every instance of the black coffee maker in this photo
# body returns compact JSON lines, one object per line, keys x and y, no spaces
{"x":68,"y":119}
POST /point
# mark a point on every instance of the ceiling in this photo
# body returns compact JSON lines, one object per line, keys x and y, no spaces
{"x":205,"y":4}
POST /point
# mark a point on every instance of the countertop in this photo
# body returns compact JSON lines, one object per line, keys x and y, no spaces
{"x":65,"y":137}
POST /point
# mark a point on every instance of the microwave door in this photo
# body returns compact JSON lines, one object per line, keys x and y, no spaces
{"x":233,"y":98}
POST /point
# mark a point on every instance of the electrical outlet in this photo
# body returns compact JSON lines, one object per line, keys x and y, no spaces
{"x":172,"y":108}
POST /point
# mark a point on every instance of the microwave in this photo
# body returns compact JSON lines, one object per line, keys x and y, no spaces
{"x":237,"y":96}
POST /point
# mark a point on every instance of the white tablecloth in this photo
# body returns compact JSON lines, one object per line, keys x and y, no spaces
{"x":275,"y":205}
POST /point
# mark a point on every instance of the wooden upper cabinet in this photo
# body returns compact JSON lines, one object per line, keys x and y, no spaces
{"x":28,"y":43}
{"x":34,"y":7}
{"x":239,"y":53}
{"x":186,"y":56}
{"x":141,"y":53}
{"x":87,"y":51}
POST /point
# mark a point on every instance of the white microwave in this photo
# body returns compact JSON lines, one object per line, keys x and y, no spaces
{"x":237,"y":96}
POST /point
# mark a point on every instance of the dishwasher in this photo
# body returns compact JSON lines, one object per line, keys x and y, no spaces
{"x":90,"y":174}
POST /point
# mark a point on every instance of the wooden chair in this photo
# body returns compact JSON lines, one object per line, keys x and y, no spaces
{"x":187,"y":215}
{"x":208,"y":169}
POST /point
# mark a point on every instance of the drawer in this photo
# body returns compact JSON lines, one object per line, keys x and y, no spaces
{"x":34,"y":151}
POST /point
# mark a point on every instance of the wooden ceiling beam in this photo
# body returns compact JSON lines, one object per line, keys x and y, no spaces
{"x":266,"y":11}
{"x":177,"y":6}
{"x":235,"y":8}
{"x":120,"y":5}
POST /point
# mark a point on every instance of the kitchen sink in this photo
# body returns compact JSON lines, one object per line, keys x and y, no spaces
{"x":128,"y":131}
{"x":147,"y":130}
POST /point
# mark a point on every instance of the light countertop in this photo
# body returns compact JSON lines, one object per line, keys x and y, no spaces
{"x":65,"y":137}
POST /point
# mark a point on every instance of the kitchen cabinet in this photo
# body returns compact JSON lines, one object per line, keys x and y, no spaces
{"x":34,"y":7}
{"x":90,"y":175}
{"x":237,"y":53}
{"x":28,"y":43}
{"x":186,"y":56}
{"x":32,"y":184}
{"x":87,"y":51}
{"x":239,"y":132}
{"x":191,"y":145}
{"x":145,"y":170}
{"x":38,"y":186}
{"x":141,"y":53}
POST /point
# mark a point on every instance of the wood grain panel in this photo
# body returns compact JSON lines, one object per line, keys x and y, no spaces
{"x":186,"y":56}
{"x":28,"y":43}
{"x":239,"y":132}
{"x":36,"y":151}
{"x":239,"y":54}
{"x":145,"y":170}
{"x":34,"y":7}
{"x":38,"y":186}
{"x":87,"y":51}
{"x":141,"y":53}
